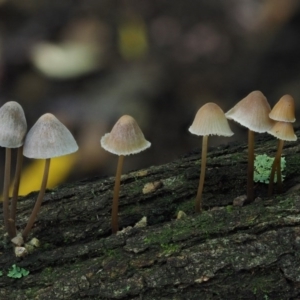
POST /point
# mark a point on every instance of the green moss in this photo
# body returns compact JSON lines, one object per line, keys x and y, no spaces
{"x":202,"y":224}
{"x":229,"y":208}
{"x":49,"y":275}
{"x":188,"y":206}
{"x":30,"y":293}
{"x":292,"y":165}
{"x":231,"y":159}
{"x":132,"y":210}
{"x":286,"y":202}
{"x":112,"y":253}
{"x":169,"y":249}
{"x":47,"y":246}
{"x":164,"y":237}
{"x":262,"y":285}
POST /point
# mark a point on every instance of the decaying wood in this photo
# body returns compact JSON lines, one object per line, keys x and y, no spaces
{"x":227,"y":252}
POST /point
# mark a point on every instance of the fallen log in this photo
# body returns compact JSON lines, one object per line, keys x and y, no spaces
{"x":227,"y":252}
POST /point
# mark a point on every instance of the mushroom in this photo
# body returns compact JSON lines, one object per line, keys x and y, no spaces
{"x":47,"y":138}
{"x":284,"y":110}
{"x":209,"y":120}
{"x":284,"y":113}
{"x":125,"y":138}
{"x":284,"y":131}
{"x":253,"y":113}
{"x":13,"y":128}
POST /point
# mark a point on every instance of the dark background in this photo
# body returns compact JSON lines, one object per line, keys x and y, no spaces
{"x":89,"y":62}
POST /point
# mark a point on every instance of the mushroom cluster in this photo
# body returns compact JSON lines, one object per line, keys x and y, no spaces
{"x":13,"y":128}
{"x":46,"y":139}
{"x":252,"y":112}
{"x":49,"y":138}
{"x":284,"y":114}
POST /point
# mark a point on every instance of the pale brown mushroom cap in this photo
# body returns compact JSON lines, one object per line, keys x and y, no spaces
{"x":283,"y":131}
{"x":284,"y":110}
{"x":125,"y":138}
{"x":210,"y":120}
{"x":252,"y":112}
{"x":13,"y":125}
{"x":49,"y":138}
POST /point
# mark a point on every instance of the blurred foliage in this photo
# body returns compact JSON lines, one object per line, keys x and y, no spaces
{"x":133,"y":41}
{"x":88,"y":62}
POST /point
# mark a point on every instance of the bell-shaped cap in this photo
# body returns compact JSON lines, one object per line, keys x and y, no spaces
{"x":49,"y":138}
{"x":13,"y":125}
{"x":283,"y":131}
{"x":125,"y":138}
{"x":284,"y":110}
{"x":252,"y":112}
{"x":210,"y":120}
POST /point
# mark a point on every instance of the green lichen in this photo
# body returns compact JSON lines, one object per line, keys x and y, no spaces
{"x":262,"y":168}
{"x":17,"y":272}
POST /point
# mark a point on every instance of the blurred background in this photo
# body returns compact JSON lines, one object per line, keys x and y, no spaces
{"x":89,"y":62}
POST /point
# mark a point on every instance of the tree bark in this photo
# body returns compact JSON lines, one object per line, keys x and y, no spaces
{"x":227,"y":252}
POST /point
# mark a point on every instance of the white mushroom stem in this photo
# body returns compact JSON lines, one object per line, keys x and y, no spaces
{"x":13,"y":207}
{"x":276,"y":164}
{"x":198,"y":203}
{"x":115,"y":205}
{"x":6,"y":191}
{"x":39,"y":200}
{"x":250,"y":191}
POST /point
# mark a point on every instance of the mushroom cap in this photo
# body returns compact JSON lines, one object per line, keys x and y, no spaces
{"x":283,"y":131}
{"x":210,"y":119}
{"x":49,"y":138}
{"x":13,"y":125}
{"x":284,"y":110}
{"x":252,"y":112}
{"x":125,"y":138}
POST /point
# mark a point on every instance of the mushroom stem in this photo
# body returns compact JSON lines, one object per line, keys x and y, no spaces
{"x":13,"y":207}
{"x":6,"y":191}
{"x":38,"y":200}
{"x":115,"y":205}
{"x":198,"y":203}
{"x":276,"y":164}
{"x":279,"y":179}
{"x":250,"y":191}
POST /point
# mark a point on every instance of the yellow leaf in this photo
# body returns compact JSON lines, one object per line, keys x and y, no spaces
{"x":60,"y":168}
{"x":133,"y":40}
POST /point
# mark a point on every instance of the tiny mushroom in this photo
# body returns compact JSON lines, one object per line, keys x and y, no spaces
{"x":125,"y":138}
{"x":284,"y":110}
{"x":284,"y":113}
{"x":47,"y":138}
{"x":209,"y":120}
{"x":13,"y":128}
{"x":253,"y":113}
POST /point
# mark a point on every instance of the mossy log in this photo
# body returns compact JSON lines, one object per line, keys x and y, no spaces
{"x":227,"y":252}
